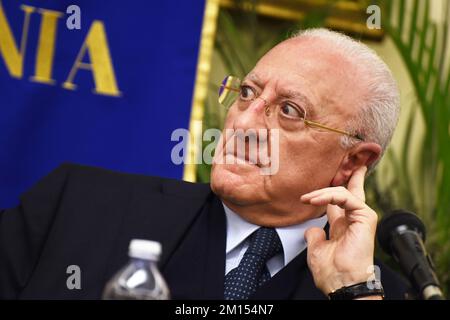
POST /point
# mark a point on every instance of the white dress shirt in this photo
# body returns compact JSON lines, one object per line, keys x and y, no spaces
{"x":292,"y":240}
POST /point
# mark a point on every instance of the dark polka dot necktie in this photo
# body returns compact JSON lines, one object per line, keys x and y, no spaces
{"x":252,"y":272}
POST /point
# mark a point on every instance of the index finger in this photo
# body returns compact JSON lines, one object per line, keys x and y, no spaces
{"x":356,"y":183}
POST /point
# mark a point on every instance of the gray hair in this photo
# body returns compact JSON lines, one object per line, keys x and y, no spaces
{"x":379,"y":112}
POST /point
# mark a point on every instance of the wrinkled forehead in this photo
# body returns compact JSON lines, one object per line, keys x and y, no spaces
{"x":312,"y":59}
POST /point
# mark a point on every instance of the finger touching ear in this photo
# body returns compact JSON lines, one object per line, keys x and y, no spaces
{"x":363,"y":154}
{"x":356,"y":183}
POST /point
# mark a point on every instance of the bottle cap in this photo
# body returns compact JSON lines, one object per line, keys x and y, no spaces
{"x":144,"y":249}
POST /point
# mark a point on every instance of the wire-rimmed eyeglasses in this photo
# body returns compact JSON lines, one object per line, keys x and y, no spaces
{"x":231,"y":89}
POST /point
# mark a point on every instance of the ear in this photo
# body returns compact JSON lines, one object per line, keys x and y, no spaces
{"x":363,"y":154}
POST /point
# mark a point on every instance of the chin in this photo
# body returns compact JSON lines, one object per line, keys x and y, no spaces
{"x":232,"y":185}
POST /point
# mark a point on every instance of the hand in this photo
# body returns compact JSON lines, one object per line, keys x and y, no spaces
{"x":346,"y":257}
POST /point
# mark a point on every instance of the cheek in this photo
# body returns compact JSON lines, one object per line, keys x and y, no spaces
{"x":308,"y":161}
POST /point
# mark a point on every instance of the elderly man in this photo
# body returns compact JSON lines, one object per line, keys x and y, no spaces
{"x":334,"y":106}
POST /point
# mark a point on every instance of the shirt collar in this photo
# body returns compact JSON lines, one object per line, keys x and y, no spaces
{"x":292,"y":237}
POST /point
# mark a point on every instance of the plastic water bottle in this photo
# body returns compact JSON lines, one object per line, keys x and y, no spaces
{"x":140,"y":279}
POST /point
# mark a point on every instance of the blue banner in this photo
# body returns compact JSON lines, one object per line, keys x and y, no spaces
{"x":95,"y":82}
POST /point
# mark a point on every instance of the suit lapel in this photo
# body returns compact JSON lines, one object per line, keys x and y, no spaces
{"x":216,"y":255}
{"x":196,"y":268}
{"x":162,"y":215}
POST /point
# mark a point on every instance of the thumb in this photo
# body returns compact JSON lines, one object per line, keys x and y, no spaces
{"x":314,"y":236}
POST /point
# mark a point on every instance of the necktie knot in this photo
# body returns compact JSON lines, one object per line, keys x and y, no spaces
{"x":264,"y":243}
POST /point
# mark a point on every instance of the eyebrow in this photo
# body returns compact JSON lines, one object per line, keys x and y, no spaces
{"x":289,"y":94}
{"x":254,"y":77}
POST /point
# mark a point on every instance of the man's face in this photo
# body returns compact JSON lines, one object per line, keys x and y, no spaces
{"x":298,"y":72}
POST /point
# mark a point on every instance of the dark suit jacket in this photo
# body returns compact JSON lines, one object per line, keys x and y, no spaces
{"x":86,"y":216}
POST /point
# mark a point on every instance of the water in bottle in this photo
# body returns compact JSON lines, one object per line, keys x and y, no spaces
{"x":140,"y":278}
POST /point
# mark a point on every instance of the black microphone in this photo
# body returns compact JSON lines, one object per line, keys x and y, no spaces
{"x":402,"y":235}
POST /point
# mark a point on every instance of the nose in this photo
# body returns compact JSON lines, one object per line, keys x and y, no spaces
{"x":253,"y":117}
{"x":251,"y":123}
